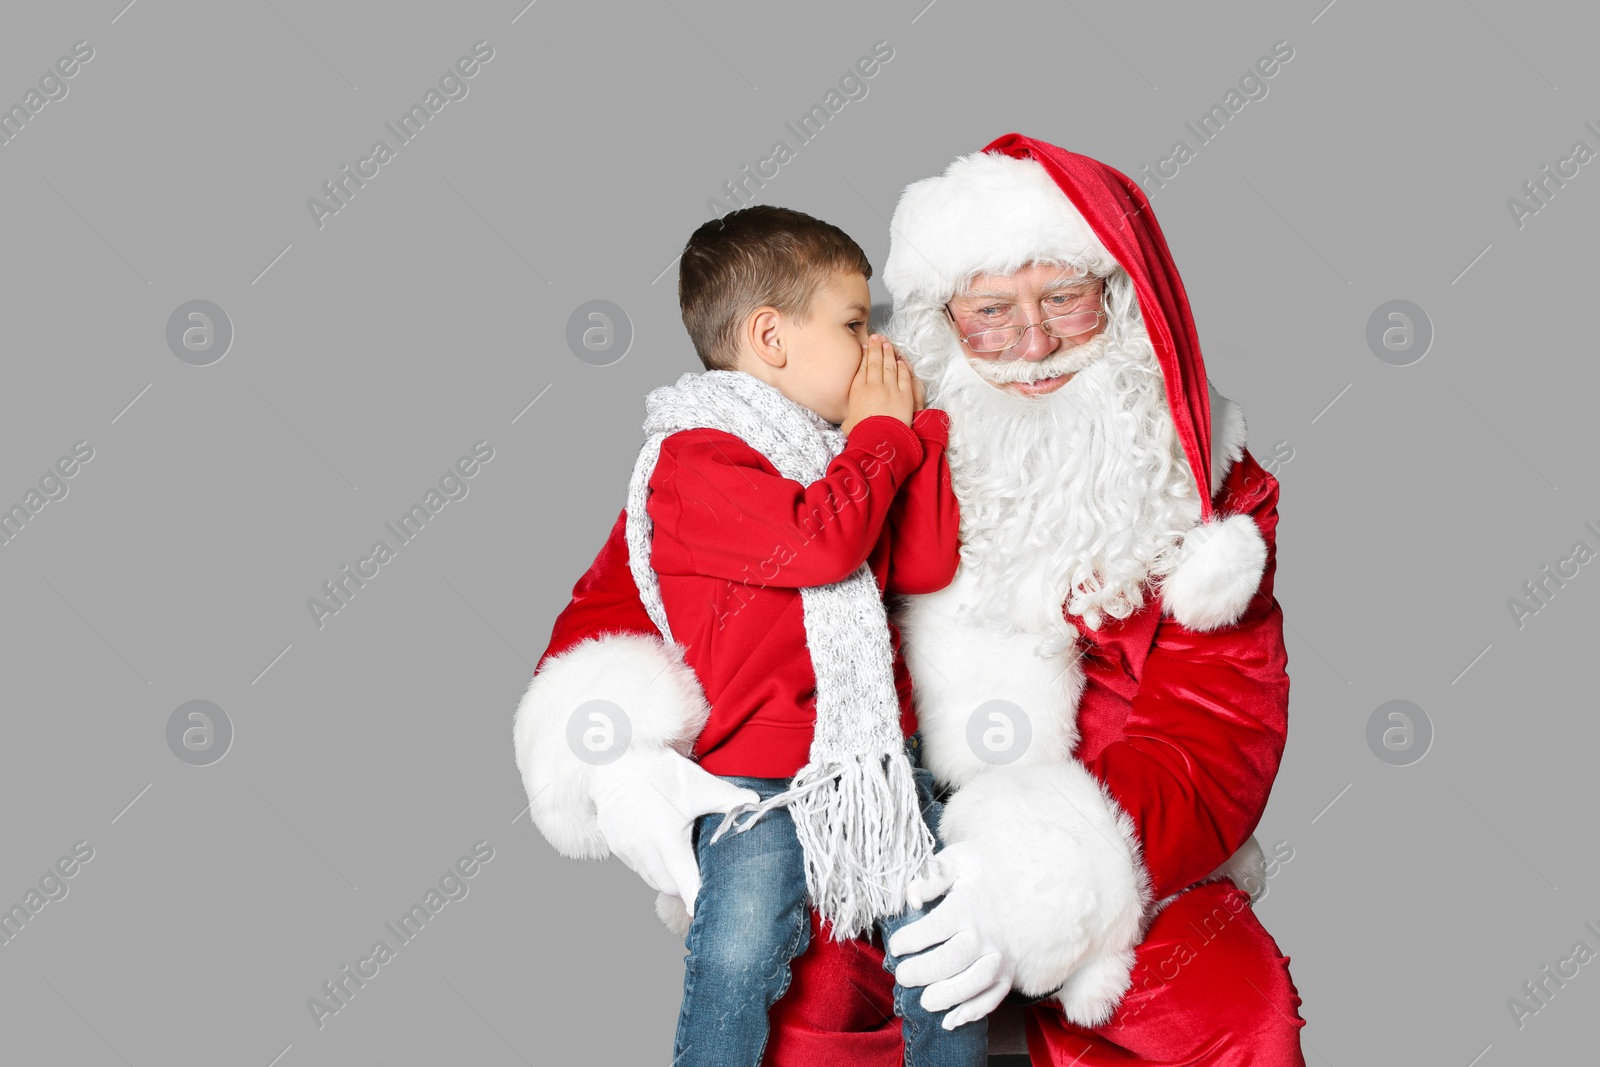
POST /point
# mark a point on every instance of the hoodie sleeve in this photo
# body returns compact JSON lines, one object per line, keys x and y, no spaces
{"x":1206,"y":728}
{"x":722,"y":510}
{"x":925,"y":518}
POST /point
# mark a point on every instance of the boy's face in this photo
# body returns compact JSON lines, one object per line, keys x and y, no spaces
{"x":824,"y":353}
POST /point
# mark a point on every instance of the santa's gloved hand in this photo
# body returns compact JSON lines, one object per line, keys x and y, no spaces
{"x":1043,"y":892}
{"x":646,"y":804}
{"x":969,"y":971}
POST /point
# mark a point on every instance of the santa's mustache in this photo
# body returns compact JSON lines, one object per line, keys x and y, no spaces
{"x":1067,"y":361}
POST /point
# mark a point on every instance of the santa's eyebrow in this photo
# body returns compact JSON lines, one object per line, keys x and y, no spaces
{"x":1072,"y":281}
{"x":1069,"y":282}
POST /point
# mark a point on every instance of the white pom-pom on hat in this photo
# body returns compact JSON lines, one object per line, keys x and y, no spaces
{"x":1219,"y":570}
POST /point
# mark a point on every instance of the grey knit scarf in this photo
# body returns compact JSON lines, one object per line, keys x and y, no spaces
{"x":854,"y":804}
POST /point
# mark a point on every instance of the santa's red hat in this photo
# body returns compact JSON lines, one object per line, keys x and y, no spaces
{"x":1021,"y":200}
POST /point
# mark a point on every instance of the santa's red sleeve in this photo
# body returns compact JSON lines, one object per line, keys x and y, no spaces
{"x":603,"y":648}
{"x":925,"y":518}
{"x":605,"y":598}
{"x":1206,"y":728}
{"x":722,"y":510}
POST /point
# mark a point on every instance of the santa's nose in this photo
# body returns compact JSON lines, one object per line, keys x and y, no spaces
{"x":1034,"y":345}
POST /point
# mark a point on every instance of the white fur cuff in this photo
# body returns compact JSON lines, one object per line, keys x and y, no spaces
{"x":672,"y":913}
{"x":1061,"y":880}
{"x":652,"y":699}
{"x":1219,"y":570}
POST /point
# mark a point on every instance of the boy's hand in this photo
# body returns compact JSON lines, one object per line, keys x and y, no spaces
{"x":883,"y":385}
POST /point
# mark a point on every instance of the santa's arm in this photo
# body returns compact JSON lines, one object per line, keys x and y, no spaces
{"x":925,"y":519}
{"x":605,"y":599}
{"x":1206,"y":729}
{"x":603,"y":648}
{"x":604,"y":732}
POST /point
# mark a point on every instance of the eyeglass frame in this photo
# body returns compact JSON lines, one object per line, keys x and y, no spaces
{"x":1100,"y":313}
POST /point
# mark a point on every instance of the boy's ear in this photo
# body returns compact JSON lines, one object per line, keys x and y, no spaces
{"x":763,"y":332}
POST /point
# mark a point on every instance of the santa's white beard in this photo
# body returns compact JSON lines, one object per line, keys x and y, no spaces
{"x":1077,"y":497}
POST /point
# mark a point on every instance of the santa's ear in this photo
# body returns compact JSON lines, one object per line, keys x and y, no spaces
{"x":1219,"y":570}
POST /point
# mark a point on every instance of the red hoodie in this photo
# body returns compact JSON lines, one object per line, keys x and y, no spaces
{"x":733,"y":542}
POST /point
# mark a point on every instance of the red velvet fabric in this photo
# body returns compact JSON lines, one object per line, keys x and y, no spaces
{"x":1186,"y":728}
{"x":1210,"y":988}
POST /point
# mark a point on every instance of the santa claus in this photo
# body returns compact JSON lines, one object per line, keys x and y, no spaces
{"x":1101,"y":693}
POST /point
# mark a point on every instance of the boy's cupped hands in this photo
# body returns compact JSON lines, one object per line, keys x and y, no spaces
{"x":884,"y":385}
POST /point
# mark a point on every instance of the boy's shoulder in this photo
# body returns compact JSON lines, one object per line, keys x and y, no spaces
{"x":705,"y":440}
{"x":699,"y":434}
{"x":705,"y":447}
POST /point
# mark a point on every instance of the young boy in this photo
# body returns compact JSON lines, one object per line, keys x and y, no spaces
{"x":779,"y":496}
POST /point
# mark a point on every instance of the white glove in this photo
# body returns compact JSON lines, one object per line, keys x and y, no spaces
{"x":969,"y":971}
{"x":646,"y":804}
{"x":1042,"y":892}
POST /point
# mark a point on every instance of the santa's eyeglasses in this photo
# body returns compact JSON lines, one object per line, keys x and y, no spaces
{"x":1000,"y":338}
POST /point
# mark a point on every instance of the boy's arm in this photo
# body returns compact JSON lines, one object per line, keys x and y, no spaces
{"x":925,"y":519}
{"x":724,"y":512}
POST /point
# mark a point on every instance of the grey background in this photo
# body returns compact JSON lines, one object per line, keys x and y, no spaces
{"x":431,"y":311}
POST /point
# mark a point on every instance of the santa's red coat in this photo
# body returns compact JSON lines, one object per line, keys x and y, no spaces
{"x":1186,"y":729}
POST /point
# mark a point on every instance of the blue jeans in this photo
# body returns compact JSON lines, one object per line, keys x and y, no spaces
{"x":752,"y":918}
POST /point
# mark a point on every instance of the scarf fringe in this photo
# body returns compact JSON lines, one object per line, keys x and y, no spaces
{"x":862,"y":832}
